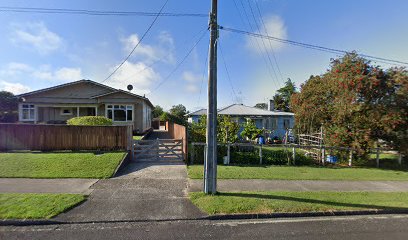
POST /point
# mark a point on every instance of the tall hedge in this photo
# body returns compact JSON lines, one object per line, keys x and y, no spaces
{"x":90,"y":121}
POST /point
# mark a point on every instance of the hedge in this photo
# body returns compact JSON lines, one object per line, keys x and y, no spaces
{"x":90,"y":121}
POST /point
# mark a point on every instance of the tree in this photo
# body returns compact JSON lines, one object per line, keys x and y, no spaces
{"x":8,"y":107}
{"x":157,"y":111}
{"x":179,"y":111}
{"x":357,"y":104}
{"x":227,"y":131}
{"x":283,"y":95}
{"x":261,"y":106}
{"x":250,"y":130}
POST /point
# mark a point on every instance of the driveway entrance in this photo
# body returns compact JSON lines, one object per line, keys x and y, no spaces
{"x":146,"y":190}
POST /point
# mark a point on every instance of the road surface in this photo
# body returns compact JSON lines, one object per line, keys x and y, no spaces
{"x":346,"y":227}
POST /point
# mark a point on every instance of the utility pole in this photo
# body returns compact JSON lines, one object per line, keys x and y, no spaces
{"x":210,"y":161}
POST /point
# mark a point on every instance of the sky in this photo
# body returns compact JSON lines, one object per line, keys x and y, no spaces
{"x":39,"y":50}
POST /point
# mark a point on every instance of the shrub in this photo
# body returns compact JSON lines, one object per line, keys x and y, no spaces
{"x":90,"y":121}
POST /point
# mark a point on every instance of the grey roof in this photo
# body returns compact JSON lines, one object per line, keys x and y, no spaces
{"x":242,"y":110}
{"x":112,"y":90}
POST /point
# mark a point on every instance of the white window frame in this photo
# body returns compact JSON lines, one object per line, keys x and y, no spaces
{"x":283,"y":123}
{"x":126,"y":107}
{"x":28,"y":107}
{"x":71,"y":111}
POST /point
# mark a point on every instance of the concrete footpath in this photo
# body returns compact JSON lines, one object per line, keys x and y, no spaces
{"x":236,"y":185}
{"x":142,"y":191}
{"x":31,"y":185}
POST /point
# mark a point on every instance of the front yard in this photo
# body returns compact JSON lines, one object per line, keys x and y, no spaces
{"x":270,"y":202}
{"x":301,"y":173}
{"x":59,"y":165}
{"x":36,"y":206}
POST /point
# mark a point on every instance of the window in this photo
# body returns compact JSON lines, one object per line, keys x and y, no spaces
{"x":27,"y":112}
{"x":120,"y":113}
{"x":286,"y":123}
{"x":66,"y":111}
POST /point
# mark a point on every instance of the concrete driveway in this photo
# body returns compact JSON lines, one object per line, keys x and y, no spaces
{"x":142,"y":191}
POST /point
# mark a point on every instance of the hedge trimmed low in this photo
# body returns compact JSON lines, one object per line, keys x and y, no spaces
{"x":90,"y":121}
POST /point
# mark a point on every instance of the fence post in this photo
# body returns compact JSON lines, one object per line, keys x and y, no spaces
{"x":192,"y":154}
{"x":323,"y":155}
{"x":378,"y":157}
{"x":260,"y":154}
{"x":350,"y":158}
{"x":294,"y":155}
{"x":400,"y":159}
{"x":157,"y":149}
{"x":228,"y":153}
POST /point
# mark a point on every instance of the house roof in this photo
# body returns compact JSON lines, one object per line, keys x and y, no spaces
{"x":242,"y":110}
{"x":111,"y":90}
{"x":200,"y":112}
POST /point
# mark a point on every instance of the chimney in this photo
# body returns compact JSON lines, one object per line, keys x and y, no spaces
{"x":271,"y":105}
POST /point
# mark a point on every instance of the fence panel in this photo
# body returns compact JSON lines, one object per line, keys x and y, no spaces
{"x":62,"y":137}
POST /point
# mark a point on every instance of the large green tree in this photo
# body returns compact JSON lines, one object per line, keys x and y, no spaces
{"x":157,"y":111}
{"x":8,"y":107}
{"x":356,"y":103}
{"x":282,"y":97}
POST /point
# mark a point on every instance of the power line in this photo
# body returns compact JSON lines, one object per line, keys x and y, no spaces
{"x":205,"y":70}
{"x":160,"y":59}
{"x":138,"y":43}
{"x":96,"y":12}
{"x":226,"y":70}
{"x":314,"y":47}
{"x":270,"y":44}
{"x":179,"y":64}
{"x":259,"y":46}
{"x":263,"y":42}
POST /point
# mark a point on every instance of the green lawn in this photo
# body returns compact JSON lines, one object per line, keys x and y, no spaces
{"x":269,"y":202}
{"x":36,"y":206}
{"x":137,"y":137}
{"x":59,"y":165}
{"x":300,"y":173}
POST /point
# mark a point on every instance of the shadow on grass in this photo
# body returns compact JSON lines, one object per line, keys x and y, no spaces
{"x":305,"y":200}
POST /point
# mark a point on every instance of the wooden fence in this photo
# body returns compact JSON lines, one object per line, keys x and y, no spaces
{"x":64,"y":137}
{"x":177,"y":131}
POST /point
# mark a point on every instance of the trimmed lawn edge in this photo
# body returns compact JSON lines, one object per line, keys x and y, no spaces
{"x":243,"y":216}
{"x":20,"y":206}
{"x":270,"y":203}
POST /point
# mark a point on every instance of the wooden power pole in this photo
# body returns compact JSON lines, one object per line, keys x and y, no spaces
{"x":210,"y":161}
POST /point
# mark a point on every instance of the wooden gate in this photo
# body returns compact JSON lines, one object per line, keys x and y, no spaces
{"x":158,"y":150}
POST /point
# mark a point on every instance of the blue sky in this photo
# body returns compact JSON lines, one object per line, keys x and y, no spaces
{"x":43,"y":50}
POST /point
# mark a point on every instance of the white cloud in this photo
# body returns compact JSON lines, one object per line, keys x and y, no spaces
{"x":16,"y":88}
{"x":36,"y":36}
{"x":275,"y":27}
{"x":163,"y":51}
{"x":63,"y":74}
{"x":192,"y":81}
{"x":138,"y":74}
{"x":15,"y":68}
{"x":68,"y":74}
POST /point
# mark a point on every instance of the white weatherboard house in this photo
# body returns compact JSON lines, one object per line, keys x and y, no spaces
{"x":55,"y":105}
{"x":275,"y":121}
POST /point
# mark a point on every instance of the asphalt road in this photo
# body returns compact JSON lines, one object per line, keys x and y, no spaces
{"x":351,"y":227}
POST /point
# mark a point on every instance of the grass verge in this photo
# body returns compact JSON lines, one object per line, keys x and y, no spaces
{"x":301,"y":173}
{"x":59,"y":165}
{"x":36,"y":206}
{"x":270,"y":202}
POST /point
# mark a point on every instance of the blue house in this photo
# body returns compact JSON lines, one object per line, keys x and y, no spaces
{"x":275,"y":122}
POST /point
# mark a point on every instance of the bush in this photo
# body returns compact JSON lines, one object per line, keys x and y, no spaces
{"x":90,"y":121}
